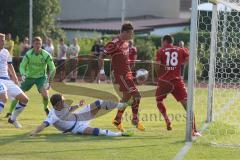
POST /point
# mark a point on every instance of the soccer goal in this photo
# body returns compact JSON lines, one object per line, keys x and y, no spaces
{"x":214,"y":71}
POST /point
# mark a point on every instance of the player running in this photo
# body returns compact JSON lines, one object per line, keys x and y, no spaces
{"x":66,"y":120}
{"x":33,"y":70}
{"x":9,"y":87}
{"x":169,"y":61}
{"x":118,"y":49}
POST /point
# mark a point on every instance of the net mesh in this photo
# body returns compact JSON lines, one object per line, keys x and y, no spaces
{"x":226,"y":113}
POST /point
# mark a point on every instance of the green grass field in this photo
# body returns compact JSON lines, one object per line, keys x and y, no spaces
{"x":154,"y":144}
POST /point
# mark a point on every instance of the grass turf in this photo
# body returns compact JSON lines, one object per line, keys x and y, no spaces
{"x":154,"y":143}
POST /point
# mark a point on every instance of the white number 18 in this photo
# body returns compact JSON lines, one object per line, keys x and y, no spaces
{"x":172,"y":58}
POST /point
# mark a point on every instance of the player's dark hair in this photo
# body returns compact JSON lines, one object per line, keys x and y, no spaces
{"x":127,"y":26}
{"x":56,"y":98}
{"x":168,"y":38}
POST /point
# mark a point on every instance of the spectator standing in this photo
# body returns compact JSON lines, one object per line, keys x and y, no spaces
{"x":49,"y":46}
{"x":62,"y":55}
{"x":96,"y":50}
{"x":44,"y":43}
{"x":73,"y":51}
{"x":24,"y":46}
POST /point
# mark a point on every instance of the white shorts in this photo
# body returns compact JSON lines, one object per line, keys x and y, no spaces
{"x":3,"y":89}
{"x":9,"y":87}
{"x":82,"y":125}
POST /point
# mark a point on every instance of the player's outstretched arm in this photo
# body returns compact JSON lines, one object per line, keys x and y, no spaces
{"x":38,"y":129}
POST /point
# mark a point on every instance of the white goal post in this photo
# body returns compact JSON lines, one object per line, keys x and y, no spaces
{"x":214,"y":70}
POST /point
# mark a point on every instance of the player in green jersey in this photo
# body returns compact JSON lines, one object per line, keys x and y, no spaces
{"x":33,"y":70}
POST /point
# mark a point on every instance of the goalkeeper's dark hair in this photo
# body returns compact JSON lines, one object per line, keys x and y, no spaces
{"x":56,"y":98}
{"x":127,"y":26}
{"x":168,"y":38}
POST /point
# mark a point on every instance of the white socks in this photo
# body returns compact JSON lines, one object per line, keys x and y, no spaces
{"x":18,"y":109}
{"x":109,"y":133}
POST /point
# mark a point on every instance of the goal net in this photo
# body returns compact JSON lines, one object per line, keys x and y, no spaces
{"x":217,"y":72}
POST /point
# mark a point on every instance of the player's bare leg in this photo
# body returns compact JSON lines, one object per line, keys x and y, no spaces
{"x":22,"y":102}
{"x":194,"y":128}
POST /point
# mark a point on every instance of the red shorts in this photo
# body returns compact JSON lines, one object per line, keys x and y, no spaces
{"x":176,"y":87}
{"x":126,"y":83}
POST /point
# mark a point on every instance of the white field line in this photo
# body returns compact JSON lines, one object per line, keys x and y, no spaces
{"x":184,"y":150}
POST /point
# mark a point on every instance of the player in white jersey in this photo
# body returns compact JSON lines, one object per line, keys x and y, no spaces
{"x":9,"y":84}
{"x":66,"y":120}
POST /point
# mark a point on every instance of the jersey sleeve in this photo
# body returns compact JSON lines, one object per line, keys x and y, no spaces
{"x":23,"y":65}
{"x":110,"y":48}
{"x":9,"y":58}
{"x":51,"y":119}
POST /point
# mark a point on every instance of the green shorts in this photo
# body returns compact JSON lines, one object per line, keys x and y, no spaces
{"x":29,"y":82}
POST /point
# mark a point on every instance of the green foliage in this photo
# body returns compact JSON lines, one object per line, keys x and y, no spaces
{"x":15,"y":17}
{"x":146,"y":49}
{"x":86,"y":45}
{"x":44,"y":16}
{"x":156,"y":143}
{"x":182,"y":36}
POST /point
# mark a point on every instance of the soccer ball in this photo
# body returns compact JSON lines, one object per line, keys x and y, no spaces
{"x":141,"y":76}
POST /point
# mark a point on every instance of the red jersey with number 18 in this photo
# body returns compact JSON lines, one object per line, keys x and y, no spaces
{"x":171,"y":59}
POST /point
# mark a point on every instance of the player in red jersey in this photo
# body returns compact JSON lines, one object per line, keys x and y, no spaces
{"x":118,"y":49}
{"x":169,"y":61}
